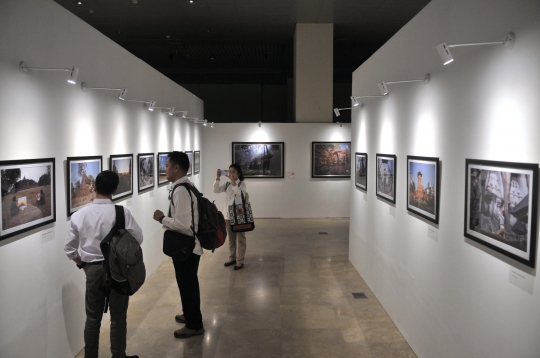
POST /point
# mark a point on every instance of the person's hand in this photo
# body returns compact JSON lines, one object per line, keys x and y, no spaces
{"x":158,"y":214}
{"x":218,"y":174}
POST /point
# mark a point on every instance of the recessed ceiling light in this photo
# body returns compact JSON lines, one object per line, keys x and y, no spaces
{"x":191,"y":1}
{"x":79,"y":2}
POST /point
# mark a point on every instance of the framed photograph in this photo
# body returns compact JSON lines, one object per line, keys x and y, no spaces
{"x":162,"y":161}
{"x":423,"y":187}
{"x":190,"y":156}
{"x":145,"y":171}
{"x":28,"y":195}
{"x":360,"y":170}
{"x":197,"y":162}
{"x":81,"y":181}
{"x":330,"y":159}
{"x":386,"y":177}
{"x":122,"y":165}
{"x":501,"y":201}
{"x":260,"y":160}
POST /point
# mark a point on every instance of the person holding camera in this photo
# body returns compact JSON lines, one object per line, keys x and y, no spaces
{"x":237,"y":240}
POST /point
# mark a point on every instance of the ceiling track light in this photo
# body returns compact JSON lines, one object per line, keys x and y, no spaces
{"x":184,"y":114}
{"x":340,"y":124}
{"x":196,"y":120}
{"x":384,"y":89}
{"x":336,"y":110}
{"x":169,"y":111}
{"x":446,"y":57}
{"x":212,"y":125}
{"x":121,"y":96}
{"x":205,"y":122}
{"x":260,"y":123}
{"x":149,"y":105}
{"x":73,"y":71}
{"x":354,"y":99}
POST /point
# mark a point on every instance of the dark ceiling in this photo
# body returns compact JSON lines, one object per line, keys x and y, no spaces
{"x":241,"y":41}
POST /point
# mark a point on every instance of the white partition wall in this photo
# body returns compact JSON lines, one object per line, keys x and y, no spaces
{"x":449,"y":296}
{"x":42,"y":116}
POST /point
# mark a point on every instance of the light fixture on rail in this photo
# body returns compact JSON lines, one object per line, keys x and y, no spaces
{"x":355,"y":102}
{"x":212,"y":125}
{"x":168,"y":110}
{"x":336,"y":110}
{"x":121,"y":96}
{"x":149,"y":105}
{"x":73,"y":71}
{"x":446,"y":57}
{"x":184,"y":114}
{"x":340,"y":124}
{"x":260,"y":124}
{"x":384,"y":89}
{"x":205,"y":122}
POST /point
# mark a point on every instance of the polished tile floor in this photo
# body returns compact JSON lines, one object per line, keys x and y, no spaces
{"x":292,"y":299}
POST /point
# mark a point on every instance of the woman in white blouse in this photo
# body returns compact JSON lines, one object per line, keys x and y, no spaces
{"x":237,"y":240}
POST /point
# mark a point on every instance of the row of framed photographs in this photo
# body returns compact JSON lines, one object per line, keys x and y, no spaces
{"x":28,"y":189}
{"x":501,"y":198}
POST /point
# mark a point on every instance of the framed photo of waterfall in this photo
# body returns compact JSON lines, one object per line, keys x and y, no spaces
{"x":260,"y":160}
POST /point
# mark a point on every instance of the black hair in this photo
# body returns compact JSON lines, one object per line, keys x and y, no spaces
{"x":179,"y":158}
{"x":107,"y":182}
{"x":238,"y":170}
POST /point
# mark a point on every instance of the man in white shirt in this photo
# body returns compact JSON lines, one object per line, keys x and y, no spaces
{"x":88,"y":228}
{"x":183,"y":205}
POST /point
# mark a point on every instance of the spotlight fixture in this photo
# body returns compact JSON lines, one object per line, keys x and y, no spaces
{"x":336,"y":110}
{"x":446,"y":57}
{"x":205,"y":122}
{"x":340,"y":124}
{"x":73,"y":71}
{"x":169,"y":111}
{"x":260,"y":123}
{"x":212,"y":125}
{"x":149,"y":105}
{"x":121,"y":96}
{"x":355,"y":102}
{"x":184,"y":113}
{"x":384,"y":89}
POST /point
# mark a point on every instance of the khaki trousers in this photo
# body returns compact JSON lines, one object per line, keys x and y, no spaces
{"x":237,"y":242}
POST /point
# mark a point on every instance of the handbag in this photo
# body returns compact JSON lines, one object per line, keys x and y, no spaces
{"x":241,"y":216}
{"x":178,"y":245}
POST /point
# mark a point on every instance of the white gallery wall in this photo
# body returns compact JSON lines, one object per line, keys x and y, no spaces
{"x":449,"y":296}
{"x":42,"y":116}
{"x":296,"y":195}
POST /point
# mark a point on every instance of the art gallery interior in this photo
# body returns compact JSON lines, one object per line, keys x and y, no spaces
{"x":448,"y":296}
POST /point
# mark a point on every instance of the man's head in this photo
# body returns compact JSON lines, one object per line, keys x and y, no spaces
{"x":177,"y":166}
{"x":107,"y":182}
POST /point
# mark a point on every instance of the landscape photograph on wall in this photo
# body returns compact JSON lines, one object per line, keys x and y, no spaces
{"x":259,"y":159}
{"x":423,"y":187}
{"x":501,"y":207}
{"x":386,"y":177}
{"x":28,"y":195}
{"x":331,"y":160}
{"x":146,"y":171}
{"x":82,"y":173}
{"x":360,"y":170}
{"x":122,"y":165}
{"x":162,"y":161}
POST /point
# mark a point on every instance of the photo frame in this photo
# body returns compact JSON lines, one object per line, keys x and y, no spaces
{"x":190,"y":156}
{"x":501,"y":207}
{"x":122,"y":164}
{"x":145,"y":171}
{"x":197,"y":162}
{"x":386,"y":173}
{"x":360,"y":170}
{"x":161,"y":162}
{"x":423,"y":187}
{"x":81,"y":181}
{"x":260,"y":160}
{"x":331,"y":159}
{"x":28,"y":195}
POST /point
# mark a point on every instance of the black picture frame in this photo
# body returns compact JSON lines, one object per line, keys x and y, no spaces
{"x":260,"y":160}
{"x":145,"y":171}
{"x":385,"y":177}
{"x":331,"y":160}
{"x":28,"y":208}
{"x":161,"y":160}
{"x":190,"y":157}
{"x":197,"y":162}
{"x":361,"y":170}
{"x":501,"y":207}
{"x":125,"y":186}
{"x":423,"y":187}
{"x":81,"y":170}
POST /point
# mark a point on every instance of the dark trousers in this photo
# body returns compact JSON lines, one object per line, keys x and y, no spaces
{"x":188,"y":284}
{"x":95,"y":303}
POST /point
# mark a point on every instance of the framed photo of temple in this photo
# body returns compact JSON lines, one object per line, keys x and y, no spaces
{"x":162,"y":161}
{"x":197,"y":162}
{"x":190,"y":156}
{"x":260,"y":160}
{"x":423,"y":189}
{"x":360,"y":170}
{"x":330,"y":159}
{"x":28,"y":195}
{"x":145,"y":171}
{"x":501,"y":203}
{"x":81,"y":181}
{"x":386,"y":177}
{"x":122,"y":164}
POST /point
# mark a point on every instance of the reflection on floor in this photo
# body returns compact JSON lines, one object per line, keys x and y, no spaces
{"x":292,"y":299}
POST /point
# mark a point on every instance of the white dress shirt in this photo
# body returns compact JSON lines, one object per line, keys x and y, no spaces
{"x":231,"y":192}
{"x":90,"y":225}
{"x":180,"y":219}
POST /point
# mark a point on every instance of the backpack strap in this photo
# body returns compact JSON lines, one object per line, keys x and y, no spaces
{"x":119,"y":223}
{"x":195,"y":191}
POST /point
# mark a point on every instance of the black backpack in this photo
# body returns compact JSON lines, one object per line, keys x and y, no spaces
{"x":212,"y":230}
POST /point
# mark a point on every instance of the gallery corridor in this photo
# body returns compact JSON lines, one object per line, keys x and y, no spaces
{"x":292,"y":299}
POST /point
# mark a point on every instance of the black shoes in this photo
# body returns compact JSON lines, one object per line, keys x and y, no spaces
{"x":180,"y":318}
{"x":229,"y":263}
{"x":186,"y":332}
{"x":238,"y":267}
